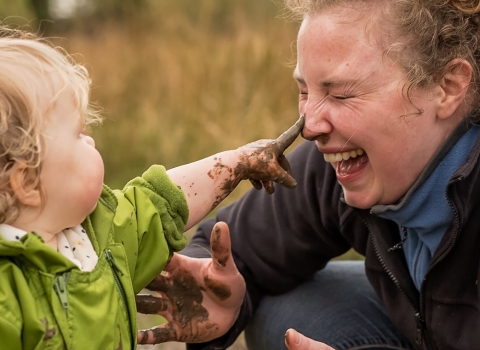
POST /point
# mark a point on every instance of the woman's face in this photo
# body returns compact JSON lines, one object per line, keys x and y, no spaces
{"x":356,"y":111}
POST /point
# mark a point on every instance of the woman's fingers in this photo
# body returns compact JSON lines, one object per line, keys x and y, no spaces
{"x":287,"y":138}
{"x":297,"y":341}
{"x":151,"y":305}
{"x":174,"y":263}
{"x":159,"y":334}
{"x":159,"y":284}
{"x":221,"y":249}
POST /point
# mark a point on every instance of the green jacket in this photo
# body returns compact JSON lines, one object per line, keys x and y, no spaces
{"x":47,"y":302}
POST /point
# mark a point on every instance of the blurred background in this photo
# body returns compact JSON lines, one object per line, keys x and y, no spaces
{"x":177,"y":80}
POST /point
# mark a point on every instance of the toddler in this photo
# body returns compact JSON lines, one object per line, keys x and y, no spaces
{"x":73,"y":252}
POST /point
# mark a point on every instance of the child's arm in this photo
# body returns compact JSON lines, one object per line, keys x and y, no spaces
{"x":207,"y":182}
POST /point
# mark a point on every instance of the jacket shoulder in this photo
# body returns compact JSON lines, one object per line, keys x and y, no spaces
{"x":12,"y":281}
{"x":108,"y":198}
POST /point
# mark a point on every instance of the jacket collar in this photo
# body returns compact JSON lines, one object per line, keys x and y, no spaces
{"x":32,"y":250}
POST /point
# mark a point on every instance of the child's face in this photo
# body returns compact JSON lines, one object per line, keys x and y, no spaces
{"x":72,"y":169}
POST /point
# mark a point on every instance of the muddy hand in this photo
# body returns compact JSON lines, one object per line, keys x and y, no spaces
{"x":200,"y":298}
{"x":263,"y":161}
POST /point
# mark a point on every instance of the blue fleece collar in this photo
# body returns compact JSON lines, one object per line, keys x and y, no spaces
{"x":425,"y":212}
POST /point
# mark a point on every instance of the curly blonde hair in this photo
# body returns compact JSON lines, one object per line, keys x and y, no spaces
{"x":423,"y":35}
{"x":29,"y":66}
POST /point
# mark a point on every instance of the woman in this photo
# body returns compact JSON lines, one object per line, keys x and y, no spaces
{"x":389,"y":93}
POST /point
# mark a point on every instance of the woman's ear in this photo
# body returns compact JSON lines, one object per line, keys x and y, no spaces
{"x":24,"y":186}
{"x":454,"y":87}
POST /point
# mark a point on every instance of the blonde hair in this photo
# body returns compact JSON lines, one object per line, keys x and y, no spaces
{"x":29,"y":66}
{"x":424,"y":35}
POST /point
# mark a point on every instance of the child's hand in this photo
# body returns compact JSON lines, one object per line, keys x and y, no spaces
{"x":201,"y":298}
{"x":263,"y":162}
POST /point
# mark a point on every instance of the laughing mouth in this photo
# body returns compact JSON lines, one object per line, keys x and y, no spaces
{"x":337,"y":157}
{"x":347,"y":163}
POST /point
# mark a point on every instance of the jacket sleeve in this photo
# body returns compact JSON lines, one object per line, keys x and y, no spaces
{"x":10,"y":334}
{"x":169,"y":201}
{"x":156,"y":209}
{"x":280,"y":240}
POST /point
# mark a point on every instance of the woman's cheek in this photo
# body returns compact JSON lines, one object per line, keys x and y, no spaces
{"x":302,"y":103}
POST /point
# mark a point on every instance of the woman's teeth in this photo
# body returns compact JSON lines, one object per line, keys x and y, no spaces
{"x":336,"y":157}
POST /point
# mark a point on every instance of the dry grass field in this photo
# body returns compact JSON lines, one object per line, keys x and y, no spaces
{"x":185,"y":83}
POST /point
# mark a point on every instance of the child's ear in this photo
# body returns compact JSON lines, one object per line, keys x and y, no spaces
{"x":23,"y":184}
{"x":454,"y":86}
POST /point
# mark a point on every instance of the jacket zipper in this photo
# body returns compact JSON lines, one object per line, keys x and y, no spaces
{"x":115,"y":270}
{"x":60,"y":284}
{"x":456,"y":221}
{"x":418,"y":316}
{"x":456,"y":225}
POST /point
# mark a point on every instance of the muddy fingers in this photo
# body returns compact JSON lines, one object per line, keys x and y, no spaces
{"x":286,"y":139}
{"x":150,"y":305}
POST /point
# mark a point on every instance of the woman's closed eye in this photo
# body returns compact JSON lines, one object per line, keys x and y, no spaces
{"x":344,"y":93}
{"x":341,"y":97}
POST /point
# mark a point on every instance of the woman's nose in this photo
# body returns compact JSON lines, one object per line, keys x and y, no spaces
{"x":316,"y":124}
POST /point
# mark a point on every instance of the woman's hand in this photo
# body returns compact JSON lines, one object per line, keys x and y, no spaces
{"x":200,"y":298}
{"x":263,"y":162}
{"x":297,"y":341}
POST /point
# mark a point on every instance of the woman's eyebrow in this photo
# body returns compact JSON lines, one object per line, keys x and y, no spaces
{"x":340,"y":82}
{"x":298,"y":77}
{"x":326,"y":83}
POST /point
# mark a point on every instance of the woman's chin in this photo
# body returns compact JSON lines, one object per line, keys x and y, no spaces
{"x":360,"y":200}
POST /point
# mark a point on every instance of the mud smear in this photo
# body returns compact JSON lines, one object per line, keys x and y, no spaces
{"x":219,"y":168}
{"x":323,"y":139}
{"x":144,"y":338}
{"x":189,"y":318}
{"x":227,"y":186}
{"x":221,"y":290}
{"x":150,"y":305}
{"x":120,"y":345}
{"x":49,"y":332}
{"x":221,"y":253}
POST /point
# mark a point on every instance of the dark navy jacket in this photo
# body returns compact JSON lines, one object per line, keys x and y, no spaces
{"x":280,"y":240}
